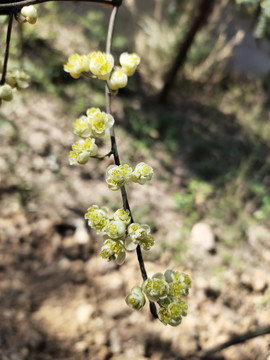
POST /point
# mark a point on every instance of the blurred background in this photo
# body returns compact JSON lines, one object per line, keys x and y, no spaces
{"x":197,"y":111}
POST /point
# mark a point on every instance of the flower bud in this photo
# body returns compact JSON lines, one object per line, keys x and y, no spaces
{"x":30,"y":14}
{"x":117,"y":176}
{"x":6,"y":92}
{"x":82,"y":150}
{"x":135,"y":299}
{"x":82,"y":127}
{"x":155,"y":288}
{"x":118,"y":79}
{"x":11,"y":78}
{"x":101,"y":64}
{"x":97,"y":217}
{"x":22,"y":79}
{"x":129,"y":62}
{"x":139,"y":235}
{"x":113,"y":250}
{"x":172,"y":314}
{"x":179,"y":283}
{"x":115,"y":229}
{"x":142,"y":173}
{"x":76,"y":65}
{"x":122,"y":215}
{"x":99,"y":121}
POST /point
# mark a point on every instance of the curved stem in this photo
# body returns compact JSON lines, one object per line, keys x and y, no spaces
{"x":115,"y":151}
{"x":17,"y":5}
{"x":10,"y":20}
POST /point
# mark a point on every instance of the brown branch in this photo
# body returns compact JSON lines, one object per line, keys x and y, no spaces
{"x":9,"y":29}
{"x":234,"y":340}
{"x":16,"y":6}
{"x":203,"y":12}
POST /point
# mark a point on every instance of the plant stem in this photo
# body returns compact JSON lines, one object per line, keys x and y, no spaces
{"x":115,"y":151}
{"x":10,"y":20}
{"x":14,"y":5}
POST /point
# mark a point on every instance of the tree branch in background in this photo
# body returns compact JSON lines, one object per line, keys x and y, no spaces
{"x":203,"y":13}
{"x":234,"y":340}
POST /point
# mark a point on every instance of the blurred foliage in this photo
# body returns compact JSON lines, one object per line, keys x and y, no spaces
{"x":261,"y":8}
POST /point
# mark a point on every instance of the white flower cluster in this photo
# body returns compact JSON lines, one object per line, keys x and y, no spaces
{"x":119,"y":234}
{"x":117,"y":176}
{"x":94,"y":123}
{"x":14,"y":79}
{"x":101,"y":65}
{"x":167,"y":290}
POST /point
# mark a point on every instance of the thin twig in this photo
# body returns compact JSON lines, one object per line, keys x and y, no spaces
{"x":17,"y":5}
{"x":10,"y":20}
{"x":235,"y":339}
{"x":115,"y":151}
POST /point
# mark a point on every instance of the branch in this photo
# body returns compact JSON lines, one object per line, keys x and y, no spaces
{"x":10,"y":20}
{"x":115,"y":151}
{"x":15,"y":6}
{"x":235,"y":339}
{"x":204,"y":11}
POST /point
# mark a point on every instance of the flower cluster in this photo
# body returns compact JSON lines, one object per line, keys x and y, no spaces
{"x":14,"y":79}
{"x":27,"y":14}
{"x":94,"y":123}
{"x":82,"y":150}
{"x":119,"y":234}
{"x":117,"y":176}
{"x":167,"y":290}
{"x":101,"y":65}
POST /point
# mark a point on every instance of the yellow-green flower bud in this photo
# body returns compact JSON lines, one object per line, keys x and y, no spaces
{"x":122,"y":215}
{"x":30,"y":14}
{"x":82,"y":150}
{"x":99,"y":121}
{"x":6,"y":92}
{"x":97,"y":217}
{"x":139,"y":235}
{"x":22,"y":79}
{"x":142,"y":173}
{"x":129,"y":62}
{"x":76,"y":65}
{"x":101,"y":64}
{"x":172,"y":314}
{"x":82,"y":127}
{"x":118,"y":79}
{"x":135,"y":299}
{"x":113,"y":250}
{"x":117,"y":176}
{"x":155,"y":288}
{"x":115,"y":229}
{"x":11,"y":78}
{"x":179,"y":283}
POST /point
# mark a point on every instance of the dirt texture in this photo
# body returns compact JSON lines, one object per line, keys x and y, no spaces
{"x":60,"y":300}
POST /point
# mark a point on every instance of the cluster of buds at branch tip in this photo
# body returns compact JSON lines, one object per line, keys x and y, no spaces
{"x":168,"y":290}
{"x":101,"y":65}
{"x":15,"y":79}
